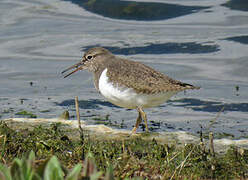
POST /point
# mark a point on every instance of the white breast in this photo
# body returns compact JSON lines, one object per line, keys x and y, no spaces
{"x":127,"y":97}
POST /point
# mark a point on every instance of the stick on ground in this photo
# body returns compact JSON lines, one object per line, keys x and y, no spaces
{"x":211,"y":143}
{"x":78,"y":114}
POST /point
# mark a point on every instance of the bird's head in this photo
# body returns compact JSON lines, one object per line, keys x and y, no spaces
{"x":89,"y":60}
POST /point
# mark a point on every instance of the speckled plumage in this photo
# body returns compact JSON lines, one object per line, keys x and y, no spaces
{"x":123,"y":72}
{"x":142,"y":78}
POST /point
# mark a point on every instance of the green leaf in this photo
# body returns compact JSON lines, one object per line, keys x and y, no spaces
{"x":23,"y":169}
{"x":4,"y":173}
{"x":36,"y":177}
{"x":73,"y":175}
{"x":27,"y":166}
{"x":90,"y":169}
{"x":109,"y":174}
{"x":16,"y":170}
{"x":89,"y":166}
{"x":95,"y":176}
{"x":40,"y":170}
{"x":53,"y":170}
{"x":31,"y":157}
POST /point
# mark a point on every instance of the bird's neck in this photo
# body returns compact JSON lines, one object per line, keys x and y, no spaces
{"x":99,"y":67}
{"x":97,"y":73}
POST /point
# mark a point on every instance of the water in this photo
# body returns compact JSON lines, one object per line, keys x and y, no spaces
{"x":204,"y":44}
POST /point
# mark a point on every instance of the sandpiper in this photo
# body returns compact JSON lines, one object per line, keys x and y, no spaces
{"x":127,"y":83}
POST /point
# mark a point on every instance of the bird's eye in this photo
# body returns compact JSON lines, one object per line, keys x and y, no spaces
{"x":89,"y":57}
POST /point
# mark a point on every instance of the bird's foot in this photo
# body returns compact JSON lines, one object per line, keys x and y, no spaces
{"x":134,"y":130}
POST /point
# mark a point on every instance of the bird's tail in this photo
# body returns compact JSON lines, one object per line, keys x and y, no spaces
{"x":189,"y":86}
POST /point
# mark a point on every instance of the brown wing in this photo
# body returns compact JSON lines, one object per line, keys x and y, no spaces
{"x":142,"y":78}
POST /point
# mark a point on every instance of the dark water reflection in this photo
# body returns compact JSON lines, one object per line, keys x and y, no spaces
{"x":162,"y":48}
{"x":240,"y":39}
{"x":131,"y":10}
{"x":87,"y":104}
{"x":241,"y":5}
{"x":210,"y":106}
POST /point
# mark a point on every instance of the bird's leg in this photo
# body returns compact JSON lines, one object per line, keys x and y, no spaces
{"x":144,"y":117}
{"x":138,"y":121}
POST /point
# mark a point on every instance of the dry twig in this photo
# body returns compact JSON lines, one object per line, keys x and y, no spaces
{"x":78,"y":114}
{"x":211,"y":144}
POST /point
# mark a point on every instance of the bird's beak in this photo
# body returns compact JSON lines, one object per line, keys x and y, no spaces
{"x":76,"y":67}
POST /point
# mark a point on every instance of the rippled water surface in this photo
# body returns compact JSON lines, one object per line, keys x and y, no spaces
{"x":200,"y":42}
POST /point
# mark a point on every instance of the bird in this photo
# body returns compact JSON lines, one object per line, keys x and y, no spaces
{"x":126,"y":83}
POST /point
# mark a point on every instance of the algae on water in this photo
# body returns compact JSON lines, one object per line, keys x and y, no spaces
{"x":26,"y":114}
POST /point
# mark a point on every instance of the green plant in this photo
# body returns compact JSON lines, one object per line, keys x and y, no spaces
{"x":20,"y":169}
{"x":25,"y":169}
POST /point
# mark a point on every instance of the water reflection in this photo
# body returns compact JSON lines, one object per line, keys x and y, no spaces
{"x":240,"y":39}
{"x":210,"y":106}
{"x":241,"y":5}
{"x":131,"y":10}
{"x":87,"y":104}
{"x":162,"y":48}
